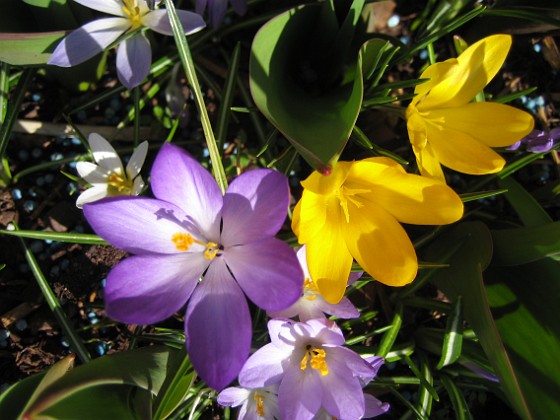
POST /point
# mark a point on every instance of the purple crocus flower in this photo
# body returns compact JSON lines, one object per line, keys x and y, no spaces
{"x":134,"y":55}
{"x":311,"y":304}
{"x":193,"y":244}
{"x":538,"y":141}
{"x":312,"y":369}
{"x":217,"y":9}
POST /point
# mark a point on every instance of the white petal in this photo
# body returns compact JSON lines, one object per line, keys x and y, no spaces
{"x":112,"y":7}
{"x":92,"y":173}
{"x":97,"y":192}
{"x":137,"y":186}
{"x":104,"y":154}
{"x":137,"y":160}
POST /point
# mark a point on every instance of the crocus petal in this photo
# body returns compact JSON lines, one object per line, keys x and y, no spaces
{"x":267,"y":271}
{"x":217,"y":12}
{"x":97,"y":192}
{"x":476,"y":66}
{"x":137,"y":186}
{"x":137,"y":160}
{"x":359,"y":367}
{"x":149,"y":288}
{"x":233,"y":396}
{"x":300,"y":394}
{"x":343,"y":309}
{"x":409,"y":198}
{"x":428,"y":163}
{"x":264,"y":367}
{"x":158,"y":21}
{"x":92,"y":173}
{"x":218,"y":327}
{"x":139,"y":225}
{"x":255,"y":206}
{"x":374,"y":407}
{"x":112,"y":7}
{"x":380,"y":245}
{"x":189,"y":186}
{"x":134,"y":58}
{"x":87,"y":41}
{"x":434,"y":74}
{"x":200,"y":6}
{"x":342,"y":393}
{"x":104,"y":154}
{"x":494,"y":124}
{"x":463,"y":153}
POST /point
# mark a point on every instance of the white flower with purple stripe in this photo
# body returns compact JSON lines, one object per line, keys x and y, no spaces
{"x":134,"y":55}
{"x":192,"y":244}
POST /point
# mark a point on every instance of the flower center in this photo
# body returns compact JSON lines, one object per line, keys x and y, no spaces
{"x":310,"y":291}
{"x":133,"y":11}
{"x":183,"y":242}
{"x":345,"y":195}
{"x":259,"y":400}
{"x":316,"y":358}
{"x":119,"y":184}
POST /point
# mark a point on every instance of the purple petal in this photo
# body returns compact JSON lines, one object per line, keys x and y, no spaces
{"x":555,"y":134}
{"x":217,"y":12}
{"x":342,"y":392}
{"x":355,"y":364}
{"x":150,"y":288}
{"x":325,"y":332}
{"x":280,"y":332}
{"x":255,"y":206}
{"x":181,"y":180}
{"x":233,"y":396}
{"x":343,"y":309}
{"x":374,"y":407}
{"x":218,"y":327}
{"x":138,"y":225}
{"x":87,"y":41}
{"x":134,"y":58}
{"x":300,"y":394}
{"x":267,"y":271}
{"x":265,"y":367}
{"x":158,"y":21}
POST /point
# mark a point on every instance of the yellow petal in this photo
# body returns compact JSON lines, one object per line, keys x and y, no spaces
{"x":310,"y":216}
{"x":463,"y":153}
{"x":327,"y":184}
{"x":435,"y":73}
{"x":328,"y":259}
{"x":477,"y":65}
{"x":496,"y":125}
{"x":409,"y":198}
{"x":416,"y":128}
{"x":428,"y":163}
{"x":380,"y":245}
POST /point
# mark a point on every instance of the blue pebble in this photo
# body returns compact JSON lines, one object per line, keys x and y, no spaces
{"x":73,"y":165}
{"x":21,"y":324}
{"x":424,"y":55}
{"x":36,"y":153}
{"x":16,"y":193}
{"x":531,"y":104}
{"x":32,"y":192}
{"x":64,"y":343}
{"x":101,"y":348}
{"x":539,"y":100}
{"x":40,"y":181}
{"x":393,"y":21}
{"x":29,"y":205}
{"x":537,"y":48}
{"x":103,"y":282}
{"x":36,"y":97}
{"x":56,"y":156}
{"x":4,"y":334}
{"x":23,"y":155}
{"x":75,"y":141}
{"x":49,"y":178}
{"x":91,"y":315}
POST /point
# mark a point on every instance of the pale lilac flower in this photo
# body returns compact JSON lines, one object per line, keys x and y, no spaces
{"x":373,"y":408}
{"x":217,"y":9}
{"x":538,"y":141}
{"x":134,"y":55}
{"x":255,"y":404}
{"x":311,"y":304}
{"x":107,"y":176}
{"x":193,"y":244}
{"x":312,"y":369}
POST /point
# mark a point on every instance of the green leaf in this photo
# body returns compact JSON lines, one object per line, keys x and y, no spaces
{"x":464,"y":278}
{"x":524,"y":301}
{"x":526,"y":244}
{"x":71,"y":237}
{"x":287,"y":89}
{"x":23,"y":49}
{"x":527,"y":208}
{"x":453,"y":338}
{"x":457,"y":398}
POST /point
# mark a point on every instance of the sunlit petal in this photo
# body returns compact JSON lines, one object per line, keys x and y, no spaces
{"x":158,"y":21}
{"x":134,"y":58}
{"x":112,"y":7}
{"x":137,"y":160}
{"x":97,"y":192}
{"x":92,"y":173}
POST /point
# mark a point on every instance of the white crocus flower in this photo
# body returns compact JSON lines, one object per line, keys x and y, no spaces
{"x":108,"y":176}
{"x":134,"y":55}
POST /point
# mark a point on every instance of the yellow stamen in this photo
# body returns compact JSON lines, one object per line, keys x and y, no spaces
{"x":259,"y":399}
{"x":316,"y":358}
{"x":184,"y":240}
{"x":133,"y":11}
{"x":310,"y":289}
{"x":345,"y":195}
{"x":120,"y":184}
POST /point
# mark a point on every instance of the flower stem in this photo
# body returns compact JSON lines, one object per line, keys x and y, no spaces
{"x":188,"y":65}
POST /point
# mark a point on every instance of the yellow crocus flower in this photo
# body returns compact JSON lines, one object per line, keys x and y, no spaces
{"x":354,"y":213}
{"x":446,"y":128}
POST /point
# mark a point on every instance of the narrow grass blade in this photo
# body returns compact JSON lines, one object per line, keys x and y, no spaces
{"x":457,"y":398}
{"x":390,"y":336}
{"x":453,"y":337}
{"x":70,"y":237}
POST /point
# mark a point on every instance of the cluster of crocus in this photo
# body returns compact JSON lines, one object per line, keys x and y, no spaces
{"x":538,"y":141}
{"x":305,"y":373}
{"x":193,"y":246}
{"x":107,"y":177}
{"x":354,"y":213}
{"x":134,"y":55}
{"x":446,"y":128}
